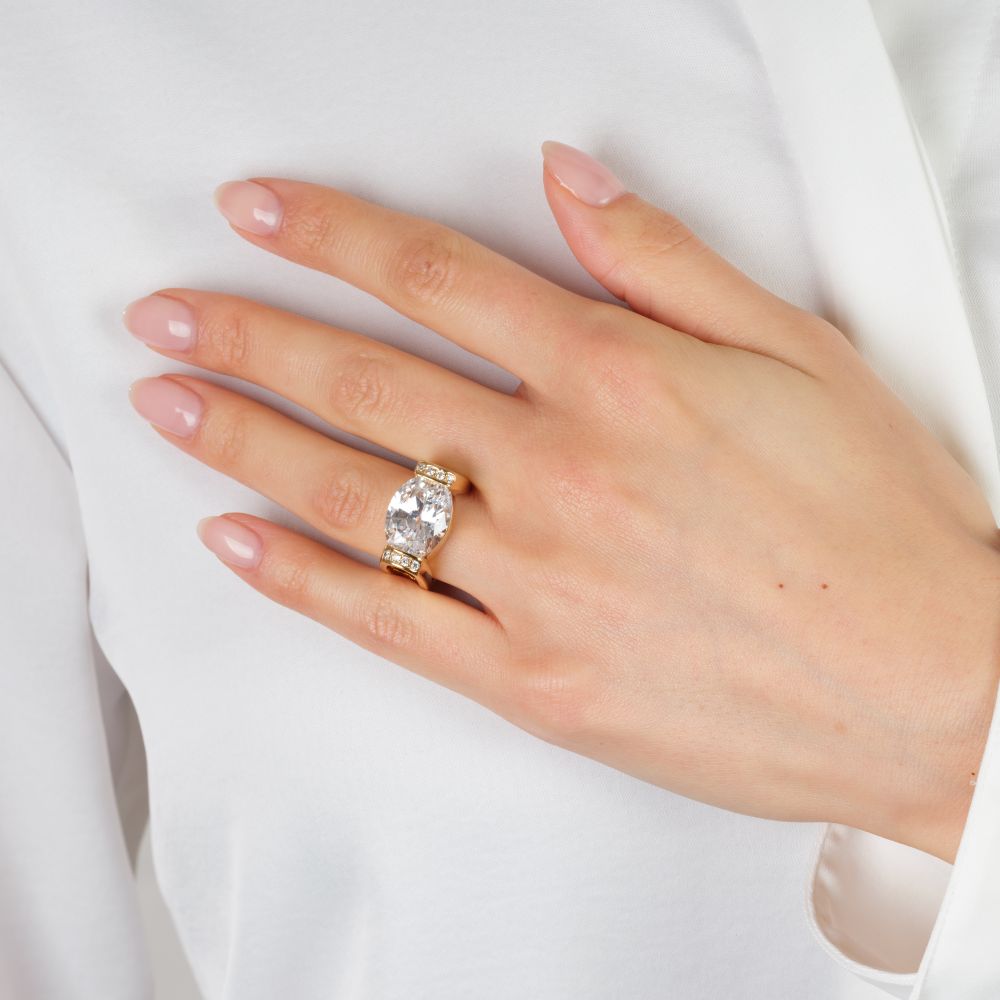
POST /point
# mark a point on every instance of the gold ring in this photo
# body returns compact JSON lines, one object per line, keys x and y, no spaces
{"x":418,"y":519}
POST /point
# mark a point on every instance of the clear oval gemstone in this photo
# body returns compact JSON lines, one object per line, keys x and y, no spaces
{"x":418,"y":516}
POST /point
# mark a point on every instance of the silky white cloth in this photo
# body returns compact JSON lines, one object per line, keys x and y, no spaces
{"x":324,"y":823}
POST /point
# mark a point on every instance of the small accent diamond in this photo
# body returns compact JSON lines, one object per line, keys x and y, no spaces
{"x":435,"y":472}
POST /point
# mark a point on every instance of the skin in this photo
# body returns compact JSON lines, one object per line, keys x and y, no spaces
{"x":711,"y":548}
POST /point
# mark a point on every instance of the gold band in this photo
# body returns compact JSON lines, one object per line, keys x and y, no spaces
{"x":397,"y":561}
{"x":438,"y":473}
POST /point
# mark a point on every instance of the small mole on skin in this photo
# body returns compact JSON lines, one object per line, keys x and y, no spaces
{"x":781,"y":585}
{"x":839,"y":727}
{"x":825,"y":586}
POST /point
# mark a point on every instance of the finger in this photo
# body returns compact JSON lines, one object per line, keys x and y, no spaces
{"x":444,"y":639}
{"x":375,"y":391}
{"x":662,"y":269}
{"x":339,"y":490}
{"x":437,"y":276}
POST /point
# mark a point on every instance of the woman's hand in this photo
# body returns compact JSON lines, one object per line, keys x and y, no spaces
{"x":714,"y":550}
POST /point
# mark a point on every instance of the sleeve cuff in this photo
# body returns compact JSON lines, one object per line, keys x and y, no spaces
{"x":906,"y":921}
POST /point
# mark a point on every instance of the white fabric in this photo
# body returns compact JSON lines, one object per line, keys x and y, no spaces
{"x":325,"y":823}
{"x":891,"y":282}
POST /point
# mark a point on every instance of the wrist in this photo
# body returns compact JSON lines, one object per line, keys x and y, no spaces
{"x":937,"y":765}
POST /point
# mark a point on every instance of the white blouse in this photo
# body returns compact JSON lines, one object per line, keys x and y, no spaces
{"x":324,"y":823}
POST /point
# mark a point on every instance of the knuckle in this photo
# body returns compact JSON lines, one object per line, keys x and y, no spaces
{"x":661,"y":235}
{"x":574,"y":487}
{"x":607,"y":356}
{"x":658,"y":240}
{"x":312,"y":229}
{"x":291,"y":582}
{"x":664,"y":233}
{"x":344,"y":500}
{"x":595,"y":323}
{"x":827,"y":337}
{"x":363,"y":388}
{"x":226,"y":335}
{"x":554,"y":702}
{"x":621,"y":375}
{"x":382,"y":620}
{"x":424,"y":267}
{"x":227,"y":439}
{"x":820,"y":348}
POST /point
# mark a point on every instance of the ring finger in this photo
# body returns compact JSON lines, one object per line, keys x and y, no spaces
{"x":340,"y":490}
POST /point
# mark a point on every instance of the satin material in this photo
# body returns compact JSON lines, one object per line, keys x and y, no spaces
{"x":892,"y":284}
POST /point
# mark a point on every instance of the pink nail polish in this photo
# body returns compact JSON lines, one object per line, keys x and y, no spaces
{"x":232,"y":542}
{"x":249,"y":206}
{"x":582,"y":175}
{"x":168,"y":404}
{"x":161,"y":322}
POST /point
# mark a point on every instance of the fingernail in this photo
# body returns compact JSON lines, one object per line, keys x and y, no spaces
{"x":232,"y":542}
{"x":249,"y":206}
{"x":168,"y":404}
{"x":161,"y":322}
{"x":581,"y":174}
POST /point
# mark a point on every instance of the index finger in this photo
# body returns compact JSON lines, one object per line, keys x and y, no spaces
{"x":425,"y":270}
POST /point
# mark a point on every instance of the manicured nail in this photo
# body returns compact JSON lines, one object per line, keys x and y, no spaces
{"x":581,"y":174}
{"x":249,"y":206}
{"x":161,"y":322}
{"x":232,"y":542}
{"x":168,"y":404}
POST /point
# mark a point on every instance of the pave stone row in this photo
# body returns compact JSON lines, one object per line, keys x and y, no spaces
{"x":435,"y":472}
{"x":396,"y":558}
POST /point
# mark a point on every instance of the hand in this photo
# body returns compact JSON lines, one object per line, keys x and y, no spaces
{"x":710,"y":547}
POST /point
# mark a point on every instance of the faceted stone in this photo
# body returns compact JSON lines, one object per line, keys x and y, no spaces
{"x":418,"y":516}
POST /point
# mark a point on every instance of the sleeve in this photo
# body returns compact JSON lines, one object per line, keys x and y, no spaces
{"x":907,"y":922}
{"x":69,"y":920}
